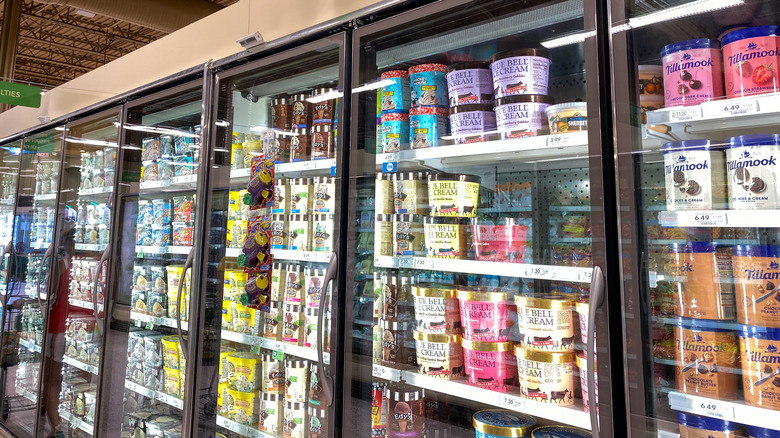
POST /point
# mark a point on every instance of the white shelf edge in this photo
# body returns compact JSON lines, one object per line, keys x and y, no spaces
{"x":232,"y":252}
{"x":293,"y":350}
{"x":573,"y":416}
{"x":80,"y":365}
{"x":719,"y":218}
{"x":305,"y":166}
{"x":725,"y":410}
{"x":83,"y":304}
{"x":165,"y":322}
{"x":303,"y":256}
{"x":170,"y":249}
{"x":241,"y":429}
{"x":518,"y":270}
{"x":90,"y":247}
{"x":76,"y":423}
{"x":30,"y":345}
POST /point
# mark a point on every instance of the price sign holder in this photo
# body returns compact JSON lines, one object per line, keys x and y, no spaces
{"x":390,"y":163}
{"x":509,"y":402}
{"x":423,"y":263}
{"x":558,"y":140}
{"x":710,"y":219}
{"x":684,"y":114}
{"x":729,"y":108}
{"x":406,"y":262}
{"x":702,"y":406}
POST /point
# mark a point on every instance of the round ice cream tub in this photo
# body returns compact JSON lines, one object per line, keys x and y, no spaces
{"x":490,"y":365}
{"x":292,"y":324}
{"x":567,"y":117}
{"x":278,"y":234}
{"x":273,"y":381}
{"x":762,"y":432}
{"x":470,"y":83}
{"x":383,"y":194}
{"x":436,"y":308}
{"x":583,"y":311}
{"x":522,"y":116}
{"x":316,"y":392}
{"x":453,"y":194}
{"x":487,"y":314}
{"x":297,"y":380}
{"x":426,"y":127}
{"x":408,"y":235}
{"x":395,"y":96}
{"x":469,"y":123}
{"x":273,"y":321}
{"x":502,"y":424}
{"x":520,"y":71}
{"x":314,"y":285}
{"x":294,"y":284}
{"x":395,"y":297}
{"x":582,"y":364}
{"x":410,"y":193}
{"x":428,"y":85}
{"x":405,"y":411}
{"x":695,"y":175}
{"x":224,"y":352}
{"x":692,"y":72}
{"x":750,"y":61}
{"x":546,"y":322}
{"x":395,"y":132}
{"x":318,"y":423}
{"x":445,"y":237}
{"x":499,"y":240}
{"x":757,"y":284}
{"x":698,"y":292}
{"x":439,"y":355}
{"x":560,"y":432}
{"x":753,"y":172}
{"x":398,"y":349}
{"x":278,"y":277}
{"x":245,"y":406}
{"x":310,"y":332}
{"x":383,"y":234}
{"x":244,"y":371}
{"x":760,"y":366}
{"x":272,"y":413}
{"x":695,"y":426}
{"x":545,"y":376}
{"x":707,"y":356}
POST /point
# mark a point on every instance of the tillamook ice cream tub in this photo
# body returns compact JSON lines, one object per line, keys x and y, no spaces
{"x":757,"y":281}
{"x":487,"y":314}
{"x":695,"y":426}
{"x":546,"y":377}
{"x":520,"y":71}
{"x":436,"y":308}
{"x":695,"y":175}
{"x":692,"y":72}
{"x":698,"y":290}
{"x":707,"y":356}
{"x":546,"y":322}
{"x":490,"y":365}
{"x":502,"y":424}
{"x":758,"y":347}
{"x":439,"y":355}
{"x":754,"y":172}
{"x":750,"y":61}
{"x":762,"y":432}
{"x":470,"y":83}
{"x":445,"y":237}
{"x":453,"y":194}
{"x":522,"y":116}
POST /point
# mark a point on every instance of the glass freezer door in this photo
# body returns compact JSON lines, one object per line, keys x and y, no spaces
{"x":34,"y":286}
{"x":698,"y":138}
{"x":144,"y":373}
{"x":478,"y":231}
{"x":269,"y":268}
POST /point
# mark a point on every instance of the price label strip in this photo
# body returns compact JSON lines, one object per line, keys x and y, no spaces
{"x":423,"y":263}
{"x":559,"y":140}
{"x":685,"y":114}
{"x":406,"y":262}
{"x":730,"y":108}
{"x":710,"y":219}
{"x":390,"y":163}
{"x":702,"y":406}
{"x":513,"y":403}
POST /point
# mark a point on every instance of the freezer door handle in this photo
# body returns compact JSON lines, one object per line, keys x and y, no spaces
{"x":331,"y":276}
{"x":182,"y":341}
{"x":40,"y":270}
{"x":9,"y":250}
{"x":95,"y":311}
{"x":596,"y":299}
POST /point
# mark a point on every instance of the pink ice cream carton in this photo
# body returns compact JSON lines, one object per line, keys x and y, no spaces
{"x":692,"y":72}
{"x":500,"y":241}
{"x":750,"y":60}
{"x":490,"y":365}
{"x":487,"y":314}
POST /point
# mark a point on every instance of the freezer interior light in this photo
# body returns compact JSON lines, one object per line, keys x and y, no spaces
{"x":158,"y":130}
{"x":335,"y":94}
{"x":91,"y":142}
{"x":373,"y":86}
{"x":688,"y":9}
{"x":568,"y":39}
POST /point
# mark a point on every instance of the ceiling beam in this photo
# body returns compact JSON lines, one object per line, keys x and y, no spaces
{"x":63,"y":49}
{"x":51,"y":61}
{"x":46,"y":38}
{"x":84,"y":29}
{"x":42,"y":76}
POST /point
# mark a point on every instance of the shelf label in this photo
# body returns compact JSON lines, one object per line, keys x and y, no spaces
{"x":379,"y":371}
{"x":710,"y":219}
{"x":586,"y":275}
{"x":308,"y":165}
{"x":75,"y":422}
{"x":717,"y":409}
{"x":559,"y":140}
{"x":406,"y":262}
{"x":253,"y":433}
{"x":332,"y":170}
{"x":279,"y":354}
{"x":730,"y":108}
{"x":684,"y":114}
{"x":538,"y":271}
{"x":306,"y":256}
{"x":423,"y":263}
{"x":509,"y":402}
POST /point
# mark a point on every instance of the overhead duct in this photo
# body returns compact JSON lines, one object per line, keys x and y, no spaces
{"x":162,"y":15}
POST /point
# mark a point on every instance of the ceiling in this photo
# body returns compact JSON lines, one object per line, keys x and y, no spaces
{"x":60,"y":40}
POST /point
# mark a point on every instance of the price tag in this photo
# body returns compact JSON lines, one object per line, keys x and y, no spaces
{"x":308,"y":165}
{"x":509,"y":402}
{"x":75,"y":422}
{"x":389,"y":158}
{"x":710,"y":219}
{"x":684,"y":114}
{"x":558,"y":140}
{"x":586,"y":276}
{"x":377,"y":262}
{"x":379,"y":371}
{"x":730,"y":108}
{"x":307,"y":256}
{"x":253,"y":433}
{"x":423,"y":263}
{"x":332,"y":170}
{"x":538,"y":271}
{"x":390,"y":167}
{"x":717,"y":409}
{"x":405,"y":262}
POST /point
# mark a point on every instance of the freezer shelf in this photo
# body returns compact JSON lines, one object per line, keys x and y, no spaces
{"x":84,"y":304}
{"x":165,"y":322}
{"x":80,"y":365}
{"x":720,"y":218}
{"x":186,"y":182}
{"x":572,"y":416}
{"x":88,"y":247}
{"x":240,"y":428}
{"x":724,"y":410}
{"x":298,"y":168}
{"x":30,"y":345}
{"x":76,"y":423}
{"x":719,"y":114}
{"x":96,"y":191}
{"x":141,"y":250}
{"x":285,"y":254}
{"x":293,"y":350}
{"x":518,"y":270}
{"x":155,"y":395}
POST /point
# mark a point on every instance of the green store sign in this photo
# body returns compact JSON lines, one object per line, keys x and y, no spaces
{"x":20,"y":95}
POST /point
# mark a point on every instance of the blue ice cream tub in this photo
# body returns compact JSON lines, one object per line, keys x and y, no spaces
{"x":429,"y":85}
{"x":560,"y":432}
{"x":692,"y":422}
{"x":395,"y":95}
{"x":426,"y":127}
{"x":762,"y":432}
{"x":470,"y":83}
{"x":395,"y":132}
{"x":502,"y":424}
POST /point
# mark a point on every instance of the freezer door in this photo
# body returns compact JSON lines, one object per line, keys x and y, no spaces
{"x":144,"y":374}
{"x":695,"y":108}
{"x":477,"y":239}
{"x":276,"y":215}
{"x":31,"y":298}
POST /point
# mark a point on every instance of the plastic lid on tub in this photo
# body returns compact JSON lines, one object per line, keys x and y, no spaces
{"x":503,"y":423}
{"x":470,"y":108}
{"x":757,"y":332}
{"x":703,"y":325}
{"x":748,"y":32}
{"x":691,"y":145}
{"x":701,"y":43}
{"x":707,"y":423}
{"x":762,"y":432}
{"x":469,"y":65}
{"x":582,"y":106}
{"x":540,"y":52}
{"x":754,"y":140}
{"x":772,"y":251}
